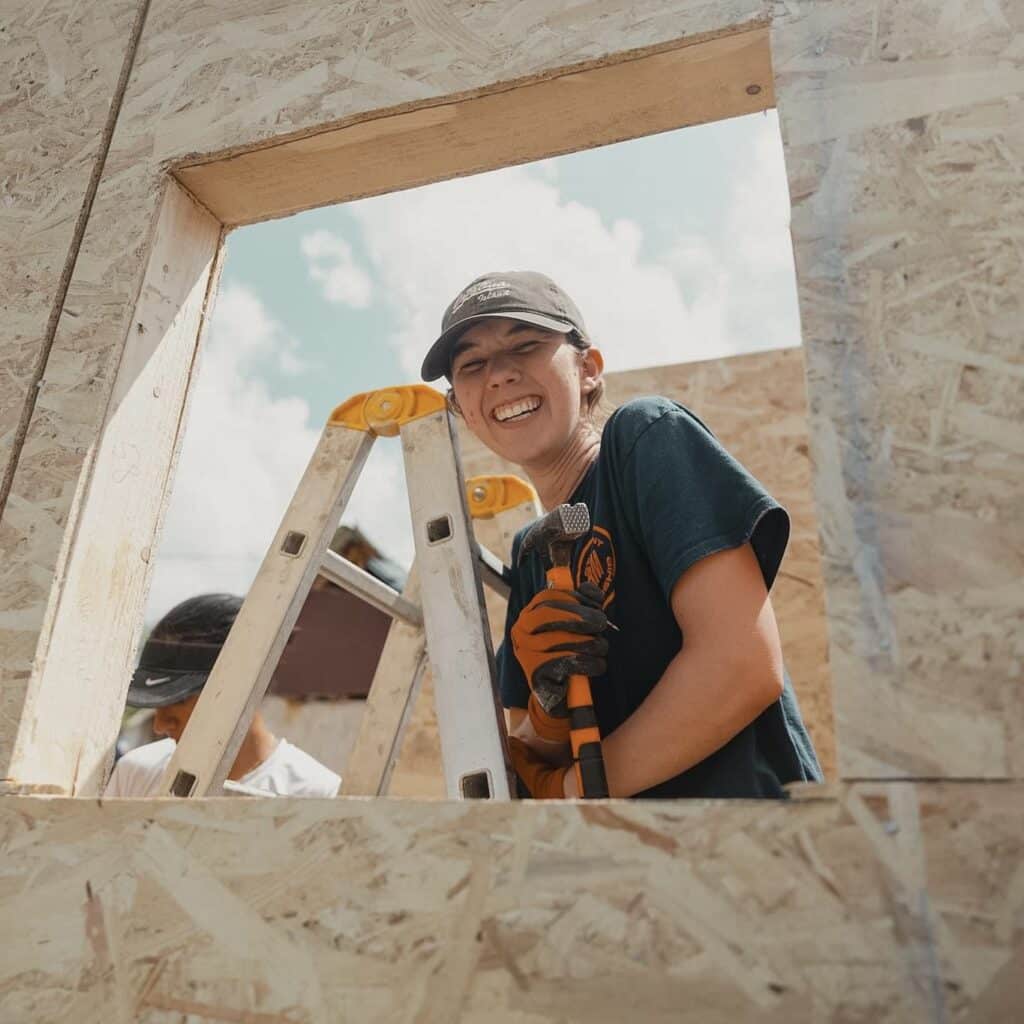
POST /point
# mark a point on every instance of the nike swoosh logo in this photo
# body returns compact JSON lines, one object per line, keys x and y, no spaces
{"x":157,"y":682}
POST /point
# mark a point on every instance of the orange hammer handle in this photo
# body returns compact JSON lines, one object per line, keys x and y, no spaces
{"x":584,"y":733}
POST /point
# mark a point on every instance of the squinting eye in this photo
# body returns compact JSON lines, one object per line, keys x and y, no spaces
{"x":471,"y":367}
{"x":527,"y":346}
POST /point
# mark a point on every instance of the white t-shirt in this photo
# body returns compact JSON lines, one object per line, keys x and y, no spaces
{"x":287,"y":772}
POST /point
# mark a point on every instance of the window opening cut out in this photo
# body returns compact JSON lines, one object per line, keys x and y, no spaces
{"x":675,"y":246}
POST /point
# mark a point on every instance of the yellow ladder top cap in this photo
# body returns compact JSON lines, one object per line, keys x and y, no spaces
{"x":383,"y":412}
{"x":489,"y":495}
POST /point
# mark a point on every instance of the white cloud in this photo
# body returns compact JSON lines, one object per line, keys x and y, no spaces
{"x":748,"y":264}
{"x":711,"y":297}
{"x":243,"y":455}
{"x":330,"y":262}
{"x":427,"y":244}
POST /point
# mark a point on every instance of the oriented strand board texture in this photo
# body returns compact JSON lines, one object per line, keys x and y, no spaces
{"x":889,"y":903}
{"x":756,"y":406}
{"x":209,"y":77}
{"x":59,"y":63}
{"x":904,"y":140}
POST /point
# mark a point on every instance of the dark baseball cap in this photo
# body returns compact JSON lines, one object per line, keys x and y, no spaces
{"x":517,"y":294}
{"x":178,"y":656}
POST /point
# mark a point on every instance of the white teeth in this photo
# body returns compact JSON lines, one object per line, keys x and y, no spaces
{"x":524,"y":405}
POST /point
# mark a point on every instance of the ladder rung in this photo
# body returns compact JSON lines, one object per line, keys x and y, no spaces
{"x":347,"y":575}
{"x":373,"y":591}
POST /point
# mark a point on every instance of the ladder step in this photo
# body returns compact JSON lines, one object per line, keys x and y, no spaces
{"x":349,"y":576}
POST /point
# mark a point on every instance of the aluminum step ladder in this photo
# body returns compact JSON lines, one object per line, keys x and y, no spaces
{"x":442,"y":602}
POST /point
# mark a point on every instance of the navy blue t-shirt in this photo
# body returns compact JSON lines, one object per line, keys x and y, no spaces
{"x":663,"y":493}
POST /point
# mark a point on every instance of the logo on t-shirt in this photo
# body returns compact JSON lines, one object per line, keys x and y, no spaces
{"x":596,"y":563}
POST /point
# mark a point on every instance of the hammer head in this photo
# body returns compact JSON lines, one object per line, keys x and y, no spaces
{"x":553,"y":534}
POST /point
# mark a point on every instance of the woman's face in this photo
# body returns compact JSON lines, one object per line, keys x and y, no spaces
{"x":171,"y":719}
{"x":521,"y":388}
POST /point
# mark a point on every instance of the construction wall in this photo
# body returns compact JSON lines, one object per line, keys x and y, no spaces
{"x":904,"y":147}
{"x":886,"y":900}
{"x":62,"y":64}
{"x":882,"y":902}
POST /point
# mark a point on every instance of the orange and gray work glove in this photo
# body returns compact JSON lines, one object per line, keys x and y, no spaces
{"x":558,"y":634}
{"x":543,"y":781}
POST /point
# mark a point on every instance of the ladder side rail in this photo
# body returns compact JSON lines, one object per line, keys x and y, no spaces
{"x":471,"y":722}
{"x":388,"y":705}
{"x":239,"y":679}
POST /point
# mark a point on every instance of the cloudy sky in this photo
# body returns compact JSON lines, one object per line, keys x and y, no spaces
{"x":675,"y":247}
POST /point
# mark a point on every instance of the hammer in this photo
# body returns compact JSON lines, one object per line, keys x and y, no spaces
{"x":553,"y":536}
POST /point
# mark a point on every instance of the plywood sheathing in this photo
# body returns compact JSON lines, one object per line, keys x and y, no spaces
{"x":905,"y":148}
{"x":59,"y":65}
{"x":756,"y":406}
{"x":214,"y":78}
{"x":882,"y":902}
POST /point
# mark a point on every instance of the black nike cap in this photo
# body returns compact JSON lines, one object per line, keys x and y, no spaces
{"x":181,"y":650}
{"x":521,"y":295}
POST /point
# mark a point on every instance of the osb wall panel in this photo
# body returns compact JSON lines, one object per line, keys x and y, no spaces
{"x":59,"y":63}
{"x":214,"y":77}
{"x":889,"y":903}
{"x":904,"y":148}
{"x":756,"y":406}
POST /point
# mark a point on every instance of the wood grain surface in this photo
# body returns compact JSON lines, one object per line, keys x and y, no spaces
{"x":885,"y":902}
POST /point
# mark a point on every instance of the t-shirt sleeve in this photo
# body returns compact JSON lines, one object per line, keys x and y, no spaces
{"x":515,"y":691}
{"x":686,"y":497}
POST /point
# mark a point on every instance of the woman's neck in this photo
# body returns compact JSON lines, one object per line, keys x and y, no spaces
{"x":555,"y":480}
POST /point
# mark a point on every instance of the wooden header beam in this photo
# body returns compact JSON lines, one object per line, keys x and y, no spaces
{"x":692,"y":84}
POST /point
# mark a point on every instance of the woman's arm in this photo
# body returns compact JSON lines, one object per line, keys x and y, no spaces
{"x":728,"y":671}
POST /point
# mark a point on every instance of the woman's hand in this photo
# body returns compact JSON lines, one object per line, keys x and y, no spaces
{"x":556,"y":635}
{"x":543,"y":780}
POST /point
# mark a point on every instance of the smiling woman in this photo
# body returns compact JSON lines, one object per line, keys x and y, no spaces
{"x":521,"y":330}
{"x":690,"y":690}
{"x":528,"y":420}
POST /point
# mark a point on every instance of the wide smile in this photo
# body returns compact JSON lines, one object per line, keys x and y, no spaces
{"x":516,"y":412}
